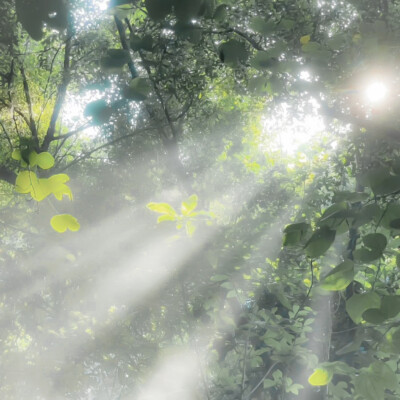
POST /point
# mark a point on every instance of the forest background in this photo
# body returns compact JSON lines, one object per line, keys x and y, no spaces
{"x":199,"y":199}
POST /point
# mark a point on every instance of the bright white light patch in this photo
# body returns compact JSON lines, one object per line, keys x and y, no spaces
{"x":376,"y":92}
{"x":102,"y":4}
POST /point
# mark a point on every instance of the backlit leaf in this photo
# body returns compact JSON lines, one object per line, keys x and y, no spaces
{"x":16,"y":155}
{"x":60,"y":223}
{"x":305,"y":39}
{"x":189,"y":205}
{"x":320,"y":377}
{"x":340,"y":277}
{"x":162,"y":208}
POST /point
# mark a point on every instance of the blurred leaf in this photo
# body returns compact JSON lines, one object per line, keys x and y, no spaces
{"x":233,"y":53}
{"x":162,"y":208}
{"x":340,"y":277}
{"x":189,"y":205}
{"x":320,"y":242}
{"x":358,"y":303}
{"x":62,"y":222}
{"x":320,"y":377}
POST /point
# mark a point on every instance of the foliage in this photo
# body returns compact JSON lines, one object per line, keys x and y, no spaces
{"x":284,"y":283}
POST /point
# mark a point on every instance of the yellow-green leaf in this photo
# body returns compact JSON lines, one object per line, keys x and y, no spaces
{"x":45,"y":160}
{"x":340,"y":277}
{"x":16,"y":155}
{"x":320,"y":377}
{"x":305,"y":39}
{"x":165,"y":217}
{"x":40,"y":189}
{"x":190,"y":228}
{"x":162,"y":208}
{"x":23,"y":183}
{"x":189,"y":205}
{"x":33,"y":158}
{"x":60,"y":223}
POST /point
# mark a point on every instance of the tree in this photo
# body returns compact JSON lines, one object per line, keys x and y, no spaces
{"x":271,"y":275}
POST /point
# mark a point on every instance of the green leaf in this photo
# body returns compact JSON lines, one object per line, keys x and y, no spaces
{"x":162,"y":208}
{"x":320,"y":242}
{"x":16,"y":155}
{"x":287,"y":24}
{"x":23,"y":183}
{"x":60,"y":223}
{"x":374,"y":316}
{"x":311,"y":47}
{"x":189,"y":205}
{"x":187,"y":31}
{"x":320,"y":377}
{"x":221,"y":13}
{"x":44,"y":160}
{"x":188,"y":10}
{"x":352,"y":197}
{"x":138,"y":89}
{"x":390,"y":305}
{"x":358,"y":303}
{"x":263,"y":60}
{"x":260,"y":25}
{"x":99,"y":111}
{"x":335,"y":211}
{"x":219,"y":278}
{"x":382,"y":182}
{"x":163,"y":218}
{"x":190,"y":228}
{"x":391,"y":213}
{"x":141,"y":43}
{"x":295,"y":233}
{"x":158,"y":9}
{"x":375,"y":243}
{"x":340,"y":277}
{"x":114,"y":60}
{"x":373,"y":381}
{"x":233,"y":52}
{"x":367,"y":214}
{"x":258,"y":85}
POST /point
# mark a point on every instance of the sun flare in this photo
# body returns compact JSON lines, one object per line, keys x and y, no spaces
{"x":376,"y":92}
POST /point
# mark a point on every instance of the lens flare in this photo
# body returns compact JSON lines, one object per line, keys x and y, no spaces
{"x":376,"y":92}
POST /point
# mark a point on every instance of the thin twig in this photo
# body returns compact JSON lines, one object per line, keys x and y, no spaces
{"x":6,"y":134}
{"x":89,"y":153}
{"x":263,"y":378}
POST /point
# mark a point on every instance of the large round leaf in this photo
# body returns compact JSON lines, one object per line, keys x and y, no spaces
{"x":158,"y":9}
{"x":233,"y":52}
{"x":358,"y":303}
{"x":320,"y":242}
{"x":320,"y":377}
{"x":62,"y":222}
{"x":340,"y":277}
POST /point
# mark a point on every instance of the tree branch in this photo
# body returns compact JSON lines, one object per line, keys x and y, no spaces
{"x":90,"y":152}
{"x":17,"y":110}
{"x":263,"y":378}
{"x":32,"y":124}
{"x":125,"y":46}
{"x":62,"y":90}
{"x":6,"y":134}
{"x":72,"y":133}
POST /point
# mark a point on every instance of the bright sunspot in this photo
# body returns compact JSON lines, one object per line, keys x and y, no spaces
{"x":376,"y":92}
